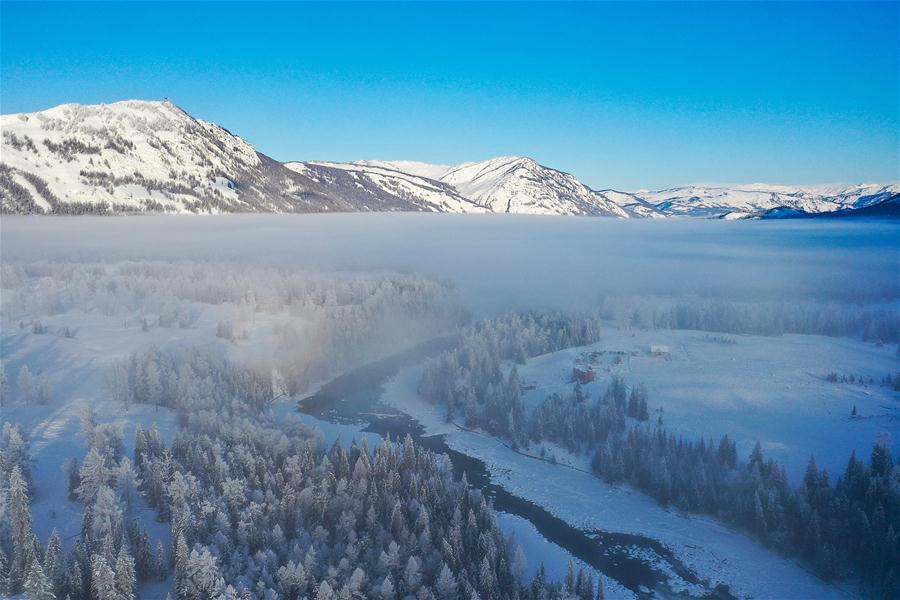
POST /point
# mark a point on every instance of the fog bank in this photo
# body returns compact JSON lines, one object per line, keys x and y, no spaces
{"x":506,"y":261}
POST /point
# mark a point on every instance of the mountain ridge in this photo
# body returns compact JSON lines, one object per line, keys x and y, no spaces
{"x":152,"y":156}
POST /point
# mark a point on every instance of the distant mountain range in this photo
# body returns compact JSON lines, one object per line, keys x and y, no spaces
{"x":141,"y":156}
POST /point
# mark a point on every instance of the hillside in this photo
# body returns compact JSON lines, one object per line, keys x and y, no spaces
{"x":150,"y":156}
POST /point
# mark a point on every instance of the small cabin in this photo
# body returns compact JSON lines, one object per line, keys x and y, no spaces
{"x":582,"y":375}
{"x":660,"y":351}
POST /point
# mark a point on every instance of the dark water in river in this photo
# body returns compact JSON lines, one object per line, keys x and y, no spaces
{"x":356,"y":397}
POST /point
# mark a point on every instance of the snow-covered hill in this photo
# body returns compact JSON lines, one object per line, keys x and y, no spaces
{"x":741,"y":201}
{"x":153,"y":156}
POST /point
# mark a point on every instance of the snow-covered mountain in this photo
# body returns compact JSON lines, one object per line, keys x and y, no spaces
{"x":516,"y":184}
{"x":741,"y":201}
{"x":153,"y":156}
{"x":506,"y":184}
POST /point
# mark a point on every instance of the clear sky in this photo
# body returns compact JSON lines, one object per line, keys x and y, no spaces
{"x":625,"y":95}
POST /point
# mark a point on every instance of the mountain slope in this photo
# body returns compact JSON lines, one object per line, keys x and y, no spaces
{"x":412,"y":167}
{"x":635,"y":205}
{"x":515,"y":184}
{"x":373,"y":186}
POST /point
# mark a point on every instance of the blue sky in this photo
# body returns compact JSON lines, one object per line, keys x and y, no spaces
{"x":624,"y":95}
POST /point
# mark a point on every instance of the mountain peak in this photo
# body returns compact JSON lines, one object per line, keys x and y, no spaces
{"x":140,"y":155}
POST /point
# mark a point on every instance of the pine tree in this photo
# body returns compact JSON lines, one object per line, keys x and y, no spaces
{"x":201,"y":578}
{"x":105,"y":517}
{"x":74,"y":579}
{"x":25,"y":383}
{"x":325,"y":592}
{"x":160,"y":564}
{"x":643,"y":411}
{"x":88,"y":423}
{"x":759,"y":518}
{"x":387,"y":588}
{"x":125,"y":577}
{"x":881,"y":462}
{"x":94,"y":475}
{"x":412,"y":577}
{"x":181,"y":557}
{"x":127,"y":482}
{"x":445,"y":587}
{"x":140,"y":446}
{"x":20,"y":513}
{"x":37,"y":584}
{"x":569,"y":583}
{"x":103,"y":579}
{"x":54,"y":566}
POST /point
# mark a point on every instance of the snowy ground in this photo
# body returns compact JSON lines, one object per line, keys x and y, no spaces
{"x":713,"y":551}
{"x":767,"y":389}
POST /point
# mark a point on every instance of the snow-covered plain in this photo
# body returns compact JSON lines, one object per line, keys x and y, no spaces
{"x":767,"y":389}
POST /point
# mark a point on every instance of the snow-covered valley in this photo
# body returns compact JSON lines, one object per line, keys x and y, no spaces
{"x":133,"y":333}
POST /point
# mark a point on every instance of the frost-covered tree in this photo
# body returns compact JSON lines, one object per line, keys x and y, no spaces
{"x":160,"y":564}
{"x":387,"y":591}
{"x":104,"y":517}
{"x":445,"y":587}
{"x":54,"y":561}
{"x":125,"y":575}
{"x":14,"y":451}
{"x":117,"y":385}
{"x":201,"y":578}
{"x":37,"y":584}
{"x":26,"y":385}
{"x":103,"y":579}
{"x":412,"y":576}
{"x":127,"y":482}
{"x":93,"y":475}
{"x":20,"y":520}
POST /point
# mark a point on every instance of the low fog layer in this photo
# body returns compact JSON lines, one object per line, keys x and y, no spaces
{"x":501,"y":262}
